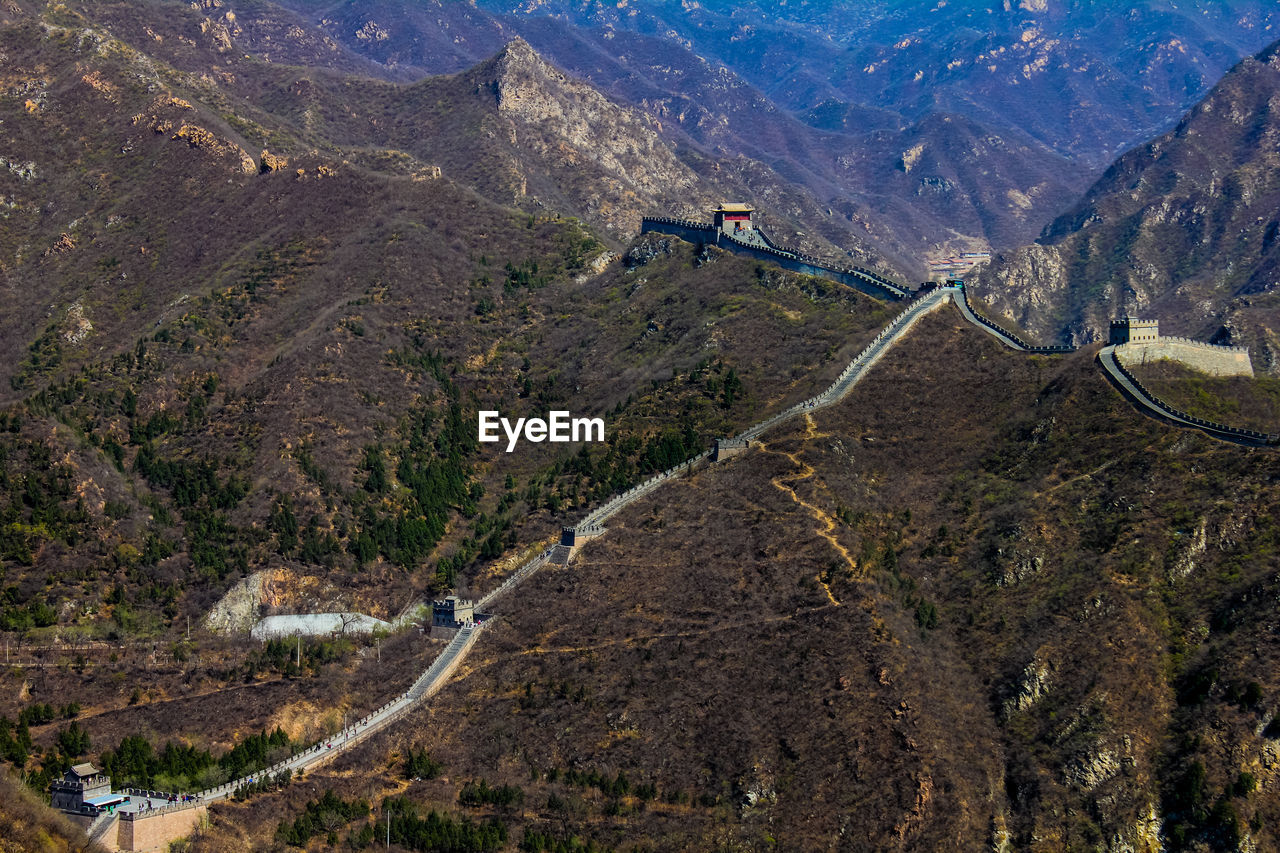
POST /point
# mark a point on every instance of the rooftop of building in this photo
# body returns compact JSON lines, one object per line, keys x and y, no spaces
{"x":734,"y":207}
{"x":85,"y":769}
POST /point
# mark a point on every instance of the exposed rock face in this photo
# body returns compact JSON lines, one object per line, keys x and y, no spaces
{"x":579,"y":133}
{"x":238,"y":609}
{"x":968,"y":126}
{"x":645,"y":250}
{"x":170,"y":115}
{"x":1091,"y":770}
{"x":272,"y":162}
{"x":1183,"y":228}
{"x":1033,"y":684}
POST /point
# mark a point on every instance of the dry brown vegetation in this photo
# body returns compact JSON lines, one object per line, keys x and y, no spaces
{"x":28,"y":825}
{"x":1248,"y":403}
{"x":934,"y":615}
{"x":981,"y":599}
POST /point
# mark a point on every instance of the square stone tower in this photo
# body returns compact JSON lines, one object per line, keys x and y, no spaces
{"x":452,"y":612}
{"x":1131,"y":330}
{"x":80,"y":783}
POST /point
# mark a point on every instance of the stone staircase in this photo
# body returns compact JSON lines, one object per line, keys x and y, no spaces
{"x":103,"y":830}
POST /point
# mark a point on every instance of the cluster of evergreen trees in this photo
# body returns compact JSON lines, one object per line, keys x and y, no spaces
{"x":419,"y":765}
{"x":176,"y":767}
{"x":440,"y":833}
{"x":37,"y":504}
{"x":190,"y":481}
{"x":256,"y":751}
{"x":481,"y":793}
{"x":135,"y":764}
{"x":19,"y":615}
{"x":433,"y":468}
{"x":617,"y":786}
{"x":321,"y":817}
{"x":15,"y":742}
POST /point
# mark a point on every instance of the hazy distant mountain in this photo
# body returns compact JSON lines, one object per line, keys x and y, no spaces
{"x":1183,"y":228}
{"x":971,"y":123}
{"x":1085,"y":78}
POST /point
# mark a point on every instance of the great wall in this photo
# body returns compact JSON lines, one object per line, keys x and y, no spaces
{"x":863,"y":280}
{"x":183,"y":816}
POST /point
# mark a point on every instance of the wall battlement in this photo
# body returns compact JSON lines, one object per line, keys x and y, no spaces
{"x":866,"y":281}
{"x":727,"y":447}
{"x":1211,"y":359}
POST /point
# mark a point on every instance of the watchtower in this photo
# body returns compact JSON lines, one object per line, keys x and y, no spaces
{"x":82,"y":782}
{"x":452,"y":612}
{"x":732,"y":217}
{"x":1131,"y":330}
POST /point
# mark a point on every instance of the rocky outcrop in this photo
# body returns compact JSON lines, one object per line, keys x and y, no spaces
{"x":171,"y":116}
{"x":269,"y":162}
{"x":647,"y":249}
{"x":1090,"y":770}
{"x":236,"y":612}
{"x":1031,"y":686}
{"x":610,"y":160}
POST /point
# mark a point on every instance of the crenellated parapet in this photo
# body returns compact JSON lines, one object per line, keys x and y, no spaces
{"x":735,"y":231}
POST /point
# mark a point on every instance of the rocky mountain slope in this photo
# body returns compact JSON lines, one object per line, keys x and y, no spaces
{"x":1182,"y":228}
{"x":255,"y":296}
{"x":612,"y":201}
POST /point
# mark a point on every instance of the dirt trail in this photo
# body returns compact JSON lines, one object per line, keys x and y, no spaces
{"x":820,"y":515}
